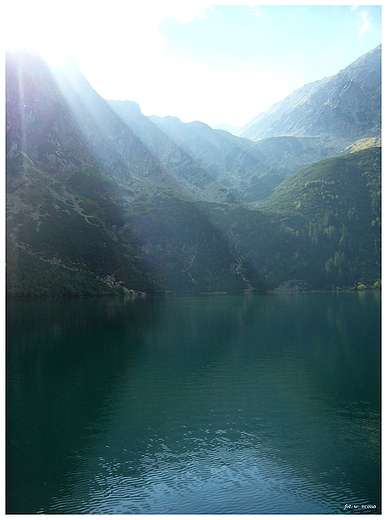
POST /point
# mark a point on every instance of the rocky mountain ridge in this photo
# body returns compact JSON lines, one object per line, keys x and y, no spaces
{"x":345,"y":107}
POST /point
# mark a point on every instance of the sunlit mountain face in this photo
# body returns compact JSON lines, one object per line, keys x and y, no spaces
{"x":103,"y":200}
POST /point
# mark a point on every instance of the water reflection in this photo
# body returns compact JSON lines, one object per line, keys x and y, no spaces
{"x":234,"y":404}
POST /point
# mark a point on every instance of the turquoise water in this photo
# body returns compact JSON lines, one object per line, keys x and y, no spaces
{"x":214,"y":404}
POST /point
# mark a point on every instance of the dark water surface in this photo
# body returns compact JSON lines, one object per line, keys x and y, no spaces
{"x":215,"y":404}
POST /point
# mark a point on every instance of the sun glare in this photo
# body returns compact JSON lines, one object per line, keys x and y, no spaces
{"x":35,"y":27}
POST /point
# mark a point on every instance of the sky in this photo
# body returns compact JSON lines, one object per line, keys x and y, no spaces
{"x":215,"y":62}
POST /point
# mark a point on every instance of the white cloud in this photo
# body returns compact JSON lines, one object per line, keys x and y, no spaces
{"x":365,"y":23}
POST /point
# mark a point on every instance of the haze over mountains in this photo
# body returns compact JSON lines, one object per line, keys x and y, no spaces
{"x":103,"y":200}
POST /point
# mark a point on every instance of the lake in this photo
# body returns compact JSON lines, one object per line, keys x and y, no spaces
{"x":238,"y":404}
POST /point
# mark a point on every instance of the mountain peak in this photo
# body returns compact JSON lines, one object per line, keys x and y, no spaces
{"x":344,"y":106}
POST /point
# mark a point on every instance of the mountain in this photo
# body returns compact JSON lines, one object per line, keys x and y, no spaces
{"x":212,"y":165}
{"x":61,"y":206}
{"x":215,"y":165}
{"x":90,"y":210}
{"x":191,"y":178}
{"x":102,"y":200}
{"x":340,"y":201}
{"x":228,"y":128}
{"x":238,"y":165}
{"x":342,"y":108}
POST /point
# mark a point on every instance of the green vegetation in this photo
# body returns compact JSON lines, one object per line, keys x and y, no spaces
{"x":28,"y":276}
{"x":320,"y":229}
{"x":337,"y":205}
{"x":362,"y":144}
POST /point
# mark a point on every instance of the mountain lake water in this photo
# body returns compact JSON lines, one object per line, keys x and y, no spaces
{"x":238,"y":404}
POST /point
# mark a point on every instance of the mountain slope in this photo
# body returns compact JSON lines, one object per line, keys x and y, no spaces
{"x":83,"y":195}
{"x":320,"y":229}
{"x":340,"y":199}
{"x":96,"y":205}
{"x":345,"y":107}
{"x":191,"y":177}
{"x":234,"y":161}
{"x":212,"y":165}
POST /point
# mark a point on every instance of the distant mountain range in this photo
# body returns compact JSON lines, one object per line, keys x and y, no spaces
{"x":103,"y":200}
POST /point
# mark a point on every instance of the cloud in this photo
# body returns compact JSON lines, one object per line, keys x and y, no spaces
{"x":366,"y":23}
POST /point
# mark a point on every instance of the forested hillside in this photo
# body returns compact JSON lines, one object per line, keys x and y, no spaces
{"x":330,"y":217}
